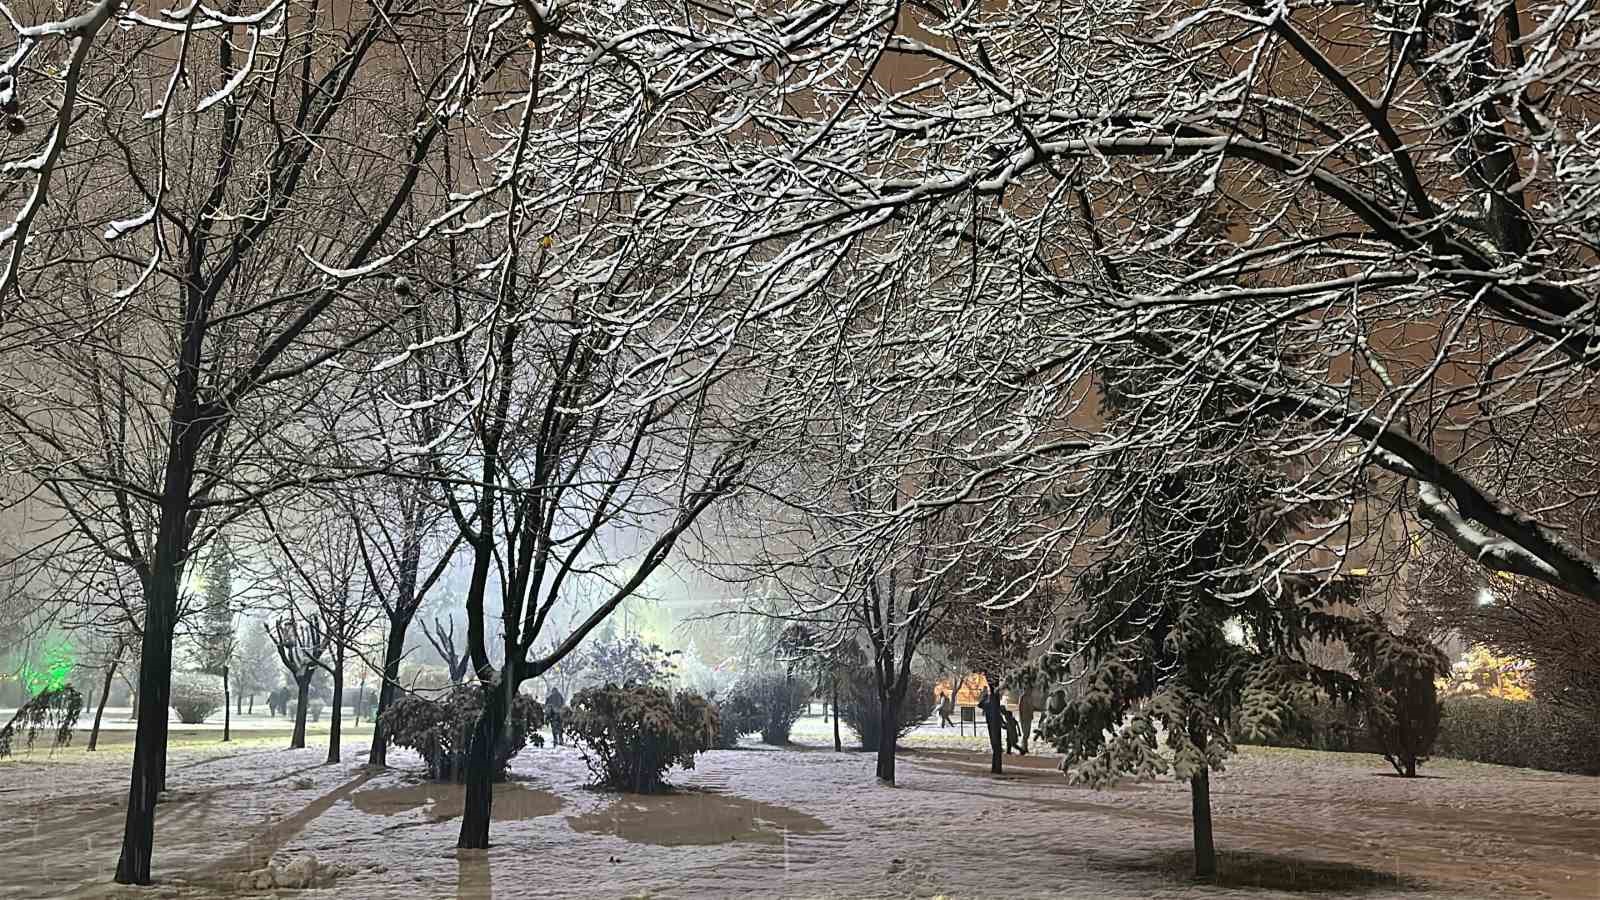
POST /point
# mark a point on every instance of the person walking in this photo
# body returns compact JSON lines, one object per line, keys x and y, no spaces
{"x":554,"y":705}
{"x":946,"y":706}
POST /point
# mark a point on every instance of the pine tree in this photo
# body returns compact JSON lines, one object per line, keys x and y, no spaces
{"x":1184,"y":628}
{"x":1404,"y":711}
{"x":217,"y":641}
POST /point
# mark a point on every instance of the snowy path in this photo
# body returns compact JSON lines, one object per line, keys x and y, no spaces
{"x":811,"y":823}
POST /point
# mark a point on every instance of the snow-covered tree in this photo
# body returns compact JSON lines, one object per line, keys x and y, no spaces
{"x":1200,"y":542}
{"x":319,"y":574}
{"x":247,"y":189}
{"x":257,"y":670}
{"x":214,"y":634}
{"x":301,"y":643}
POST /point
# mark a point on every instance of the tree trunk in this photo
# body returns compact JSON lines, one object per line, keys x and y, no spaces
{"x":338,"y":704}
{"x":227,"y":710}
{"x":1205,"y":850}
{"x":252,"y":703}
{"x":133,"y":694}
{"x":298,"y":741}
{"x":1411,"y":767}
{"x":392,"y":653}
{"x":838,"y":745}
{"x":150,"y":740}
{"x":888,"y":730}
{"x":996,"y":747}
{"x":239,"y":701}
{"x":105,"y":694}
{"x":480,"y":772}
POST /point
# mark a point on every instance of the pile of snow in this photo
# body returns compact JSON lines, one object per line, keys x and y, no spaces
{"x":301,"y":872}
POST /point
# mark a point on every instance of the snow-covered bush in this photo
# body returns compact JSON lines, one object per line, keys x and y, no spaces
{"x":631,"y":735}
{"x":195,"y":696}
{"x":777,"y":701}
{"x":737,"y":716}
{"x":439,"y":730}
{"x":859,"y":707}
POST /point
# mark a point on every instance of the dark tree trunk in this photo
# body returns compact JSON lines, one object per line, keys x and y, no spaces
{"x":838,"y":745}
{"x":338,"y":704}
{"x":105,"y":694}
{"x":298,"y":741}
{"x":252,"y":703}
{"x":227,"y":710}
{"x":1411,"y":767}
{"x":995,"y":722}
{"x":1205,"y":849}
{"x":889,"y":729}
{"x":392,"y":653}
{"x":481,"y":771}
{"x":150,"y":740}
{"x":239,"y":702}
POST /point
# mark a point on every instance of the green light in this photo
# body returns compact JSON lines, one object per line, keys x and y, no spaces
{"x":52,"y":673}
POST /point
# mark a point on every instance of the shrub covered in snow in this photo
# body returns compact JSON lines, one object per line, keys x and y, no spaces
{"x":631,"y":735}
{"x":777,"y":702}
{"x":859,"y":707}
{"x":439,"y":730}
{"x":195,"y":696}
{"x":737,"y":716}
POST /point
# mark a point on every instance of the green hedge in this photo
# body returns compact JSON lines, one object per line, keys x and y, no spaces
{"x":1520,"y":733}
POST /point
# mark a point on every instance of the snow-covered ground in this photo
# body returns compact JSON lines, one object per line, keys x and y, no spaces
{"x":807,"y":822}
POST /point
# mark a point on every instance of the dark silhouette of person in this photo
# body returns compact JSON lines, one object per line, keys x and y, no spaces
{"x":946,"y":704}
{"x":554,"y":706}
{"x":1012,"y":731}
{"x":990,"y":704}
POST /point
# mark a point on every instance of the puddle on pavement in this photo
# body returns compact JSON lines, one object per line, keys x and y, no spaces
{"x":697,"y":817}
{"x":512,"y":801}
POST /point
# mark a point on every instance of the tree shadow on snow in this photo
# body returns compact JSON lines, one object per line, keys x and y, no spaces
{"x":1267,"y":872}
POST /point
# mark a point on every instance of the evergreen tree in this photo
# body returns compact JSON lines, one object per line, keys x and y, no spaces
{"x":1404,"y":712}
{"x":1190,"y":621}
{"x":216,"y":639}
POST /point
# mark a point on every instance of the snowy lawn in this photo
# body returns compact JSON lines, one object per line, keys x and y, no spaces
{"x":804,"y":822}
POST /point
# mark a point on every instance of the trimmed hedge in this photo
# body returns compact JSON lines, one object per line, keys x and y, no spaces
{"x":195,"y":696}
{"x":1528,"y":734}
